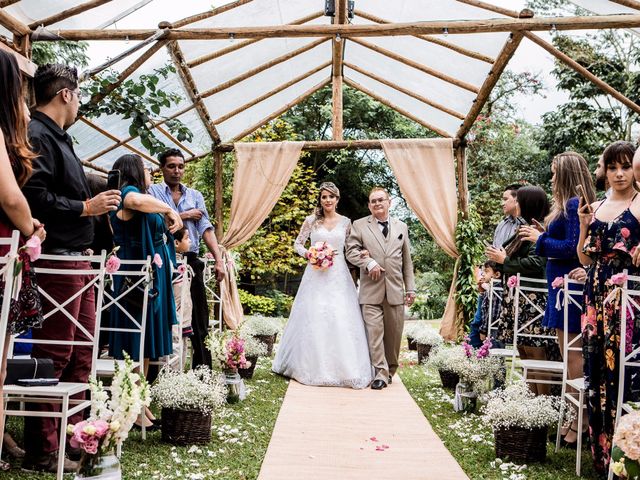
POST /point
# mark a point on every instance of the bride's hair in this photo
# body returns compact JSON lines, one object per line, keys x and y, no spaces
{"x":331,"y":188}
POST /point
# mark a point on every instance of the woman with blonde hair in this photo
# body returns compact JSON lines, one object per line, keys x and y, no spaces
{"x":324,"y":342}
{"x":558,"y":242}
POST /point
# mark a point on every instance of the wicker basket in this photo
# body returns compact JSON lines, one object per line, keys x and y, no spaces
{"x":248,"y":372}
{"x":521,"y":445}
{"x":185,"y":427}
{"x":449,"y":379}
{"x":268,"y":342}
{"x":423,"y":352}
{"x":411,"y":343}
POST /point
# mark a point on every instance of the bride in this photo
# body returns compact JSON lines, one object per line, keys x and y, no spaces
{"x":324,"y":342}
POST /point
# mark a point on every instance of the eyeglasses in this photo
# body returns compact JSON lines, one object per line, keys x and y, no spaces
{"x":373,"y":201}
{"x":77,"y":93}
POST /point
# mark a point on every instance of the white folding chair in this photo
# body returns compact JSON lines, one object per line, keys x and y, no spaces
{"x":61,"y":393}
{"x":212,"y":297}
{"x":496,"y":290}
{"x":572,"y":294}
{"x":7,"y":265}
{"x":550,"y":368}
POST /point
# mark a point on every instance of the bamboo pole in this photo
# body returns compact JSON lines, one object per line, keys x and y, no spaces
{"x":95,"y":167}
{"x":570,"y":62}
{"x":337,"y":49}
{"x":232,"y":48}
{"x":410,"y":93}
{"x":116,"y":139}
{"x":68,"y":13}
{"x":269,"y":94}
{"x":13,"y":24}
{"x":490,"y":7}
{"x":325,"y":145}
{"x":463,"y":184}
{"x":282,"y":110}
{"x":436,"y":41}
{"x":337,"y":125}
{"x":454,"y":27}
{"x":211,"y":13}
{"x":192,"y":90}
{"x":260,"y":68}
{"x":175,"y":140}
{"x":417,"y":66}
{"x":504,"y":56}
{"x":218,"y":198}
{"x":401,"y":111}
{"x":628,"y":3}
{"x":6,"y":3}
{"x":26,"y":65}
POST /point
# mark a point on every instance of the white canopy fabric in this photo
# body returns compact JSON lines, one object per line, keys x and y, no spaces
{"x":419,"y":75}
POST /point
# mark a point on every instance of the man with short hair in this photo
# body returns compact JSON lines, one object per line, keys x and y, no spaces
{"x":508,"y":225}
{"x":60,"y":197}
{"x":189,"y":203}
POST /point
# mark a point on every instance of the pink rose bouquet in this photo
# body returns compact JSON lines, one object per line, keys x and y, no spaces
{"x":320,"y":255}
{"x":512,"y":282}
{"x":626,"y":446}
{"x":618,"y":279}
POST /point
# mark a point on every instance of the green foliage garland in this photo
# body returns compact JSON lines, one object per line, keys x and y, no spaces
{"x":471,"y":251}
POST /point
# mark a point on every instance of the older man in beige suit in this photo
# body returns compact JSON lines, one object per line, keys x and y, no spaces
{"x":386,"y":282}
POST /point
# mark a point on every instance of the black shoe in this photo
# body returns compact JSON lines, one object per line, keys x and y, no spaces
{"x":73,"y":453}
{"x":390,"y":379}
{"x":378,"y":385}
{"x":48,"y":463}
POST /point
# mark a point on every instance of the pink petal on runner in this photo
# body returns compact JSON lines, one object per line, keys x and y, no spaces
{"x":373,"y":439}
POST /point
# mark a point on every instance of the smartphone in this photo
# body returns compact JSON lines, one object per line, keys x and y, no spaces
{"x":113,"y":180}
{"x":37,"y":382}
{"x":582,"y":195}
{"x":537,"y":223}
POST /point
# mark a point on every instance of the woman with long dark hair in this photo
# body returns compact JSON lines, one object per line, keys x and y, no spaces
{"x":15,"y":163}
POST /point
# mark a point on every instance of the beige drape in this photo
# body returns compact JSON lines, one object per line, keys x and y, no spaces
{"x":262,"y":172}
{"x":424,"y":169}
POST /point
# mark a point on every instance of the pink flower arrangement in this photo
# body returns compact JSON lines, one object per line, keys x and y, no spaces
{"x":625,"y":232}
{"x":33,"y":247}
{"x":182,"y":268}
{"x":512,"y":282}
{"x":482,"y":352}
{"x":157,"y":260}
{"x":112,"y":265}
{"x":320,"y":255}
{"x":235,"y":356}
{"x":618,"y":279}
{"x":558,"y":282}
{"x":87,"y":435}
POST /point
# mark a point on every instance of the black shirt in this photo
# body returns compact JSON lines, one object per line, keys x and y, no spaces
{"x":58,"y":186}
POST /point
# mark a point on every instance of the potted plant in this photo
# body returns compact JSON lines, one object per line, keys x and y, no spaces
{"x":188,"y":399}
{"x":264,"y":329}
{"x":444,"y":359}
{"x":426,"y":338}
{"x":520,"y":420}
{"x":409,"y":332}
{"x":626,"y":447}
{"x":228,"y":355}
{"x":253,"y":349}
{"x":110,"y":419}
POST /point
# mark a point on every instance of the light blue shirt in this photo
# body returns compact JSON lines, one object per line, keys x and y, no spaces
{"x":189,"y":200}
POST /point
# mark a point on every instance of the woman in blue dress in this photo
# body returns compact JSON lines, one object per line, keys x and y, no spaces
{"x":558,"y":243}
{"x":139,"y":230}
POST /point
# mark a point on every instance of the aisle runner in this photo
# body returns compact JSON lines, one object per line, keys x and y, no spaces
{"x":339,"y":433}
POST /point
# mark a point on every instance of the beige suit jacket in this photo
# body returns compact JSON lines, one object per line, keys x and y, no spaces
{"x":392,"y":254}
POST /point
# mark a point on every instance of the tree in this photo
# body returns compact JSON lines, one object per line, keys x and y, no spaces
{"x":68,"y":53}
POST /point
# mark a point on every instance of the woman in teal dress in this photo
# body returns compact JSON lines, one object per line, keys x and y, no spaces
{"x":139,"y":230}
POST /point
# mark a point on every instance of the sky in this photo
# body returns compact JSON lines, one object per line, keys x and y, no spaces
{"x":528,"y":57}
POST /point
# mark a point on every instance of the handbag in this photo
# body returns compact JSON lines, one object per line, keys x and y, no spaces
{"x":135,"y":294}
{"x":21,"y":368}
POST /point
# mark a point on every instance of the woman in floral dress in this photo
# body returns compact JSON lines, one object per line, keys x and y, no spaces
{"x":608,"y":238}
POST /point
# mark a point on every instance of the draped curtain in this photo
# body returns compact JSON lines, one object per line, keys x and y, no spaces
{"x":424,"y":169}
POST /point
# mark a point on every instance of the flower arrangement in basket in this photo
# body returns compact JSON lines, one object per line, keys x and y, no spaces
{"x":520,"y":420}
{"x":426,"y":338}
{"x":188,"y":400}
{"x":253,"y":349}
{"x":264,"y":329}
{"x":227,"y":350}
{"x":320,"y":255}
{"x":626,"y":447}
{"x":444,"y":359}
{"x":409,"y":331}
{"x":478,"y":369}
{"x":110,"y":419}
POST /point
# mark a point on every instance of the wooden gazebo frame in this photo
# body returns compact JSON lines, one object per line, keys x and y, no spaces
{"x":518,"y":24}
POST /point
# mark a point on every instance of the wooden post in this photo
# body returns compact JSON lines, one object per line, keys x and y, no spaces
{"x":336,"y":75}
{"x":463,"y":185}
{"x":219,"y":192}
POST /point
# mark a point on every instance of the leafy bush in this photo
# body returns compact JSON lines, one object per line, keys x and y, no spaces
{"x":432,"y":291}
{"x":471,"y":251}
{"x":283,"y":302}
{"x":256,"y":304}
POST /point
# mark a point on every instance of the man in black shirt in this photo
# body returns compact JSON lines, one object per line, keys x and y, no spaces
{"x":59,"y":193}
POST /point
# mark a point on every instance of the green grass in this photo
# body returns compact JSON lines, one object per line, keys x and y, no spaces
{"x":240,"y":436}
{"x":470,"y":440}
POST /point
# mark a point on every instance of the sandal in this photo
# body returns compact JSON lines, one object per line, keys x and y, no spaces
{"x":14,"y":451}
{"x":574,"y":445}
{"x":4,"y":466}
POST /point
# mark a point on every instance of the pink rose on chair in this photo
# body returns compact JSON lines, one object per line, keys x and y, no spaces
{"x":512,"y":282}
{"x":558,"y":282}
{"x":157,"y":261}
{"x":618,"y":279}
{"x":182,"y":268}
{"x":112,"y":265}
{"x":619,"y":246}
{"x":625,"y":232}
{"x":33,"y":248}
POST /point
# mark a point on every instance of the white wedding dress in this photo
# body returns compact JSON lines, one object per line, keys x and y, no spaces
{"x":324,"y":341}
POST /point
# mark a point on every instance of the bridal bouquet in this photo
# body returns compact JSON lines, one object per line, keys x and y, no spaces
{"x":320,"y":255}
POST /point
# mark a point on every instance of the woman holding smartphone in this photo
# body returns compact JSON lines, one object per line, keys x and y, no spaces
{"x":609,"y":235}
{"x":570,"y":180}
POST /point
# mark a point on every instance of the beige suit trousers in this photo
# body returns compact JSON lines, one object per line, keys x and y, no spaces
{"x":384,"y":324}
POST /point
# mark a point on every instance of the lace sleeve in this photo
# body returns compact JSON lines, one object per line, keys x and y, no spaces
{"x":347,"y":228}
{"x":304,"y":234}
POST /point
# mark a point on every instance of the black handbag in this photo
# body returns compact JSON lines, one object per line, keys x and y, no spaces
{"x":135,"y":294}
{"x":22,"y":368}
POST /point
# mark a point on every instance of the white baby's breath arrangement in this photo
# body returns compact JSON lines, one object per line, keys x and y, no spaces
{"x":410,"y":328}
{"x":517,"y":406}
{"x":445,"y":358}
{"x":252,"y":346}
{"x":427,"y":335}
{"x":259,"y":325}
{"x":198,"y":389}
{"x":479,"y":372}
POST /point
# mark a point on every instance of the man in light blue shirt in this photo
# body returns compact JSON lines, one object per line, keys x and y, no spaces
{"x":189,"y":203}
